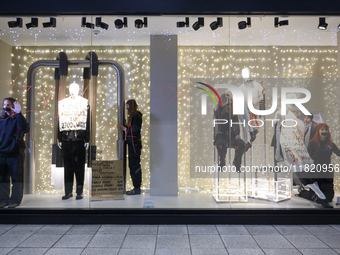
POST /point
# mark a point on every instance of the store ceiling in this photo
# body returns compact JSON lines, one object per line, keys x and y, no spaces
{"x":301,"y":31}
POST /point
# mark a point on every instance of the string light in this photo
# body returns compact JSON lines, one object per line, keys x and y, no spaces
{"x":194,"y":62}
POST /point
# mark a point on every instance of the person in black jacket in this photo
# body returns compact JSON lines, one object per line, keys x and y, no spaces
{"x":134,"y":141}
{"x":13,"y":126}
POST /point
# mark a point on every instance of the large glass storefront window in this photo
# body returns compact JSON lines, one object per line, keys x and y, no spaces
{"x":234,"y":149}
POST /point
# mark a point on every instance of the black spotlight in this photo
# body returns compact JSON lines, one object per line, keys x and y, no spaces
{"x":216,"y":24}
{"x":182,"y":23}
{"x":120,"y":23}
{"x":17,"y":23}
{"x":101,"y":24}
{"x":198,"y":24}
{"x":34,"y":23}
{"x":52,"y":23}
{"x":140,"y":23}
{"x":86,"y":24}
{"x":278,"y":23}
{"x":243,"y":24}
{"x":339,"y":26}
{"x":322,"y":24}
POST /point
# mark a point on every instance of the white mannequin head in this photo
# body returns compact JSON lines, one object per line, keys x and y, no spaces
{"x":246,"y":73}
{"x":74,"y":90}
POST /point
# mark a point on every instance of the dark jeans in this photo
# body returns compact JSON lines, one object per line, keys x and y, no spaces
{"x":135,"y":170}
{"x":12,"y":168}
{"x":74,"y":164}
{"x":239,"y":147}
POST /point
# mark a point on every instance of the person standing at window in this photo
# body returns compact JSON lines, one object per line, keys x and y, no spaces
{"x":13,"y":126}
{"x":134,"y":141}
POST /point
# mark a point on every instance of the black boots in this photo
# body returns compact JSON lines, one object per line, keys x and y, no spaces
{"x":133,"y":192}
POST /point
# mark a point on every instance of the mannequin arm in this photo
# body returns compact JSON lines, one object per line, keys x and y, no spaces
{"x":278,"y":131}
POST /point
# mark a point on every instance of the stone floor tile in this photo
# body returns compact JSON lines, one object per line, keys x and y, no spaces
{"x":202,"y":230}
{"x":305,"y":241}
{"x":140,"y":241}
{"x":173,"y":251}
{"x":73,"y":241}
{"x":5,"y":227}
{"x":318,"y":252}
{"x":332,"y":241}
{"x":282,"y":252}
{"x":106,"y":241}
{"x":53,"y":230}
{"x":136,"y":251}
{"x":262,"y":230}
{"x":291,"y":230}
{"x":28,"y":251}
{"x":113,"y":230}
{"x":206,"y":242}
{"x":66,"y":251}
{"x":8,"y":241}
{"x":172,"y":230}
{"x":4,"y":251}
{"x":100,"y":251}
{"x":39,"y":241}
{"x":143,"y":230}
{"x":245,"y":252}
{"x":24,"y":230}
{"x":272,"y":242}
{"x":209,"y":252}
{"x":232,"y":230}
{"x":83,"y":229}
{"x":239,"y":242}
{"x":171,"y":241}
{"x":320,"y":230}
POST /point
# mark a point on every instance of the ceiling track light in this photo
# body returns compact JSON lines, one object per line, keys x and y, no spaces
{"x":322,"y":24}
{"x":119,"y":24}
{"x":52,"y":23}
{"x":182,"y":23}
{"x":141,"y":23}
{"x":243,"y":24}
{"x":216,"y":24}
{"x":17,"y":23}
{"x":34,"y":23}
{"x":339,"y":26}
{"x":198,"y":24}
{"x":278,"y":23}
{"x":86,"y":24}
{"x":101,"y":24}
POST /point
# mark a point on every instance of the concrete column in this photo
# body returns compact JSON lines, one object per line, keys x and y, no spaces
{"x":163,"y":115}
{"x":5,"y":67}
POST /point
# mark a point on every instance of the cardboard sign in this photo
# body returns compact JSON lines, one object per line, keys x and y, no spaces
{"x":294,"y":150}
{"x":73,"y":113}
{"x":107,"y":180}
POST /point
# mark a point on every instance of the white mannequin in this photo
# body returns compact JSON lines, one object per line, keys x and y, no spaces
{"x":278,"y":157}
{"x":74,"y":93}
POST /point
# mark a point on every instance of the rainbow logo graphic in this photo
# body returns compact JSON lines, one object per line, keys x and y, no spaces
{"x":209,"y":93}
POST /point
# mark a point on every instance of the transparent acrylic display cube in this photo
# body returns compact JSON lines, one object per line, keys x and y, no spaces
{"x":271,"y":189}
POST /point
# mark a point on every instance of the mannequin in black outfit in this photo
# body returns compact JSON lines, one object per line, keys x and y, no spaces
{"x":134,"y":141}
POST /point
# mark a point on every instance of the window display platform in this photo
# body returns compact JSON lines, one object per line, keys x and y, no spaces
{"x":186,"y":208}
{"x":182,"y":201}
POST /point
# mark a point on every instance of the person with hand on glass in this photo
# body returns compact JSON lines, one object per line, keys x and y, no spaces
{"x":13,"y":126}
{"x":134,"y":141}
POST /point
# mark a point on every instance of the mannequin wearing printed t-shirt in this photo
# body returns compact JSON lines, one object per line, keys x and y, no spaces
{"x":74,"y":137}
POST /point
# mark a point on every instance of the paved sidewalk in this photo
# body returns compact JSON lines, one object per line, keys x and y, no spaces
{"x":169,"y":239}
